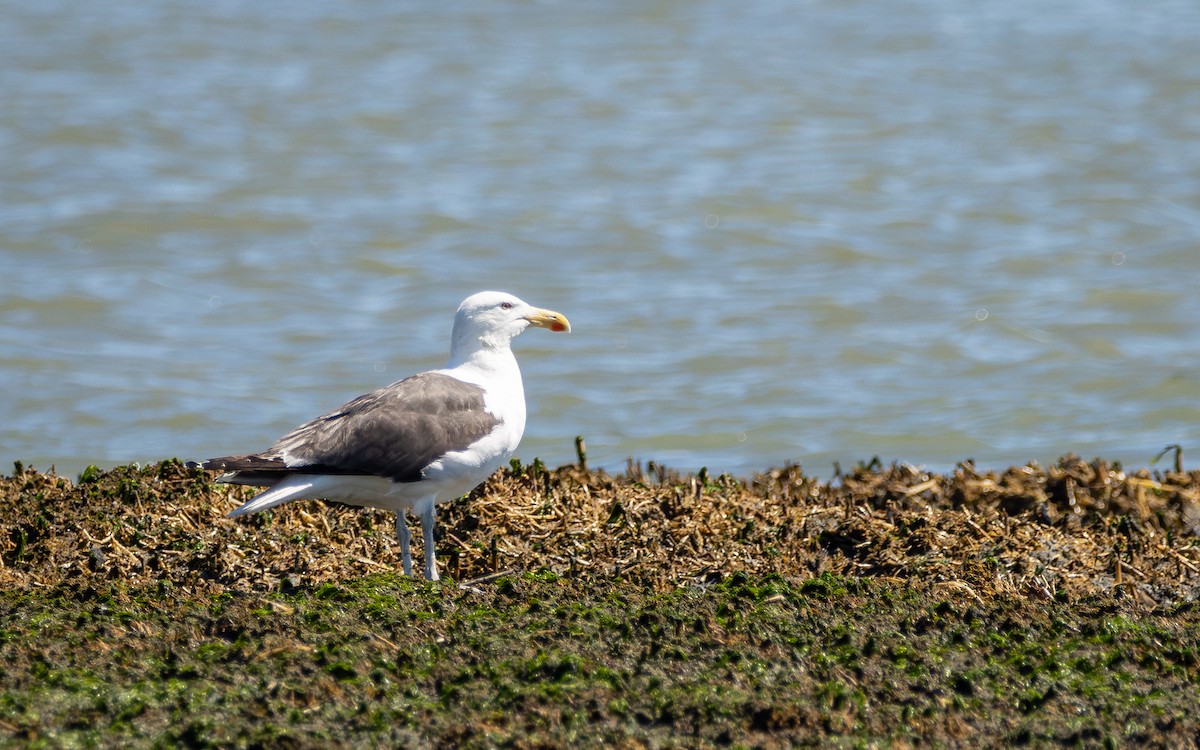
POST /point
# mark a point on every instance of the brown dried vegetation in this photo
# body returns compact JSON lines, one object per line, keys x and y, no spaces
{"x":1076,"y":529}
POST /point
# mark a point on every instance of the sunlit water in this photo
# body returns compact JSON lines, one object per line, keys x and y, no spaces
{"x":784,"y":231}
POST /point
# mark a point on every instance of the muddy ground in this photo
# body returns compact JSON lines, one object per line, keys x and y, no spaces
{"x":883,"y":606}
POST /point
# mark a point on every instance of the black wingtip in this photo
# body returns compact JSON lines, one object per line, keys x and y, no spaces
{"x":253,"y":462}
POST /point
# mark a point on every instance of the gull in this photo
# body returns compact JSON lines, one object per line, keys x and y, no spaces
{"x":408,"y":446}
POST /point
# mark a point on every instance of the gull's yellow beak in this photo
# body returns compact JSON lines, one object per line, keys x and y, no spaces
{"x":549,"y":319}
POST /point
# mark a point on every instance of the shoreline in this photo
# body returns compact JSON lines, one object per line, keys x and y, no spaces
{"x":1043,"y":606}
{"x":821,"y":465}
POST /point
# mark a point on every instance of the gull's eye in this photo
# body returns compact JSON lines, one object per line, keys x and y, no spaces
{"x":506,"y":305}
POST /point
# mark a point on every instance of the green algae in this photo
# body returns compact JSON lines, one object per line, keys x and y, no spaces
{"x":548,"y":662}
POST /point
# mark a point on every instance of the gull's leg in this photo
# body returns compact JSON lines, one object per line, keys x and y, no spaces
{"x":405,"y":536}
{"x":427,"y":534}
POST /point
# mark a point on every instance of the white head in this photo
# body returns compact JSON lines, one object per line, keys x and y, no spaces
{"x":490,"y":320}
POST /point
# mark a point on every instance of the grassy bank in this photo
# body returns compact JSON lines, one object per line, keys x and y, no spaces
{"x":887,"y":606}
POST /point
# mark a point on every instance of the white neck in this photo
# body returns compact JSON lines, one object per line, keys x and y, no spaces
{"x":477,"y":359}
{"x":494,"y":368}
{"x":466,"y":346}
{"x":486,"y":360}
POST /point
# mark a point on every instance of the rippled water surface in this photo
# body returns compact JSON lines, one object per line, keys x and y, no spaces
{"x":784,"y":231}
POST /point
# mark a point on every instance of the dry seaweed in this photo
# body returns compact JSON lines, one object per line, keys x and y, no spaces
{"x":1075,"y":529}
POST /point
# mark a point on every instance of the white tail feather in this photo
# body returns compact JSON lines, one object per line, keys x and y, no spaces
{"x":288,"y":489}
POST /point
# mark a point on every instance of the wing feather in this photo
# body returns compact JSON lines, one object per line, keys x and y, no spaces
{"x":392,"y":432}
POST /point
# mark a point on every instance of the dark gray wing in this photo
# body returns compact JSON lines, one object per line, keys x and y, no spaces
{"x":393,"y":432}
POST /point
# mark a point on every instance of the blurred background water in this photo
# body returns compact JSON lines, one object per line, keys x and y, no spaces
{"x":806,"y":231}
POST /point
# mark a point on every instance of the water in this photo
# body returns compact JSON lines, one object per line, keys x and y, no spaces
{"x":784,"y":231}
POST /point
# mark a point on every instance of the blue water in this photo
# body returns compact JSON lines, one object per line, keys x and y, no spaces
{"x":784,"y":232}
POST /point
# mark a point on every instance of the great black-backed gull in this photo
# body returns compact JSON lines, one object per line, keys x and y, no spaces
{"x":423,"y":440}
